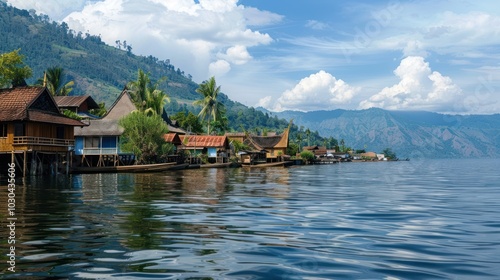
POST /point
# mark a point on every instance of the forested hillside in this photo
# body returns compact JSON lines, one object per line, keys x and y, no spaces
{"x":102,"y":70}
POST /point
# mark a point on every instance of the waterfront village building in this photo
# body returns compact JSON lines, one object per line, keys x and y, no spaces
{"x":263,"y":149}
{"x":98,"y":144}
{"x":79,"y":105}
{"x":33,"y":133}
{"x":318,"y":151}
{"x":215,"y":147}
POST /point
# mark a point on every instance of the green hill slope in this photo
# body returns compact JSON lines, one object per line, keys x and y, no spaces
{"x":102,"y":70}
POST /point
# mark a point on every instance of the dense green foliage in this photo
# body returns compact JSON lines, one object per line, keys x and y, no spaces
{"x":146,"y":95}
{"x":13,"y":71}
{"x":308,"y":156}
{"x":143,"y":136}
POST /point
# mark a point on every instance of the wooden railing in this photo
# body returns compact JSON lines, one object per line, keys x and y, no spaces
{"x":42,"y":141}
{"x":100,"y":151}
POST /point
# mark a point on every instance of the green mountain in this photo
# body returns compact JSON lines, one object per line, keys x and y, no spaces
{"x":102,"y":70}
{"x":412,"y":134}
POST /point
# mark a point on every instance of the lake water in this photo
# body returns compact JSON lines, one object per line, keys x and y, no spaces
{"x":435,"y":219}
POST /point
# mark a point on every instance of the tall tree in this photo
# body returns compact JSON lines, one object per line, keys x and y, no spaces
{"x":54,"y":80}
{"x":146,"y":95}
{"x":13,"y":72}
{"x":143,"y":136}
{"x":212,"y":109}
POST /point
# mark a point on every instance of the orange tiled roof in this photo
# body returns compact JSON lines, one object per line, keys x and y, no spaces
{"x":31,"y":104}
{"x":204,"y":141}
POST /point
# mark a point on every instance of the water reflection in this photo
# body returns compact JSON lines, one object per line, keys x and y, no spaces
{"x":294,"y":223}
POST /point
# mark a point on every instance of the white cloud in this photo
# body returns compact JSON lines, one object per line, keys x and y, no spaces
{"x":418,"y":89}
{"x":320,"y":91}
{"x":56,"y":10}
{"x":264,"y":102}
{"x":219,"y":68}
{"x":188,"y":33}
{"x":237,"y":55}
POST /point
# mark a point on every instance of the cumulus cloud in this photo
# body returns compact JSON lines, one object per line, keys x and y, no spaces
{"x":192,"y":34}
{"x":57,"y":10}
{"x":237,"y":55}
{"x":265,"y":102}
{"x":419,"y":88}
{"x":320,"y":91}
{"x":219,"y":68}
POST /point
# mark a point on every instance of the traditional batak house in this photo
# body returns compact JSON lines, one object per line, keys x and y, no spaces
{"x":33,"y":132}
{"x":265,"y":149}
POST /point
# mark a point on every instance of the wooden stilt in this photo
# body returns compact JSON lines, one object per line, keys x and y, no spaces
{"x":57,"y":164}
{"x":24,"y":163}
{"x":33,"y":163}
{"x":68,"y":161}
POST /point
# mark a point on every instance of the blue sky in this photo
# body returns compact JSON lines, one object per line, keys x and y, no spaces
{"x":440,"y":56}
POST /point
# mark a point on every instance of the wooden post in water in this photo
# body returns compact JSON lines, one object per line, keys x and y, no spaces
{"x":24,"y":163}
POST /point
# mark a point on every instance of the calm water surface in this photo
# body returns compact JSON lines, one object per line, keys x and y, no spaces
{"x":435,"y":219}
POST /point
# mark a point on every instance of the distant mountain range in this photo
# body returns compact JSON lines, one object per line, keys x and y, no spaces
{"x":412,"y":134}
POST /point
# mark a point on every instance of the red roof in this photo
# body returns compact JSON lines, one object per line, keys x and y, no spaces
{"x":32,"y":104}
{"x":172,"y":138}
{"x":206,"y":141}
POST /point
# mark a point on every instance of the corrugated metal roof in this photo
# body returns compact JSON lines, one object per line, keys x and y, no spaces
{"x":76,"y":101}
{"x":204,"y":141}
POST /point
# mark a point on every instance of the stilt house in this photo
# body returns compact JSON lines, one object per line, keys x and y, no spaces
{"x":33,"y":132}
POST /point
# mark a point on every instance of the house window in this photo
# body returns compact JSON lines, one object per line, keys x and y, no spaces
{"x":3,"y":130}
{"x":60,"y":132}
{"x":19,"y":129}
{"x":92,"y":142}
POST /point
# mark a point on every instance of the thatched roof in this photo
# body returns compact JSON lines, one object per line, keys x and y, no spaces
{"x":100,"y":127}
{"x":267,"y":142}
{"x":122,"y":106}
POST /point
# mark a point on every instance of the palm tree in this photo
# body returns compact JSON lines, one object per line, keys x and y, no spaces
{"x":138,"y":89}
{"x":212,"y":109}
{"x":147,"y":96}
{"x":53,"y":80}
{"x":308,"y":135}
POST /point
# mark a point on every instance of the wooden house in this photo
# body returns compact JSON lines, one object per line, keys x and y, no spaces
{"x":274,"y":147}
{"x":79,"y":105}
{"x":237,"y":136}
{"x":318,"y":151}
{"x":98,"y":144}
{"x":33,"y":131}
{"x":216,"y":148}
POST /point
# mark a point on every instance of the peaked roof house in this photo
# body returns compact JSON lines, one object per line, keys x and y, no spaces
{"x":32,"y":124}
{"x":215,"y":147}
{"x":272,"y":146}
{"x":98,"y":144}
{"x":77,"y":104}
